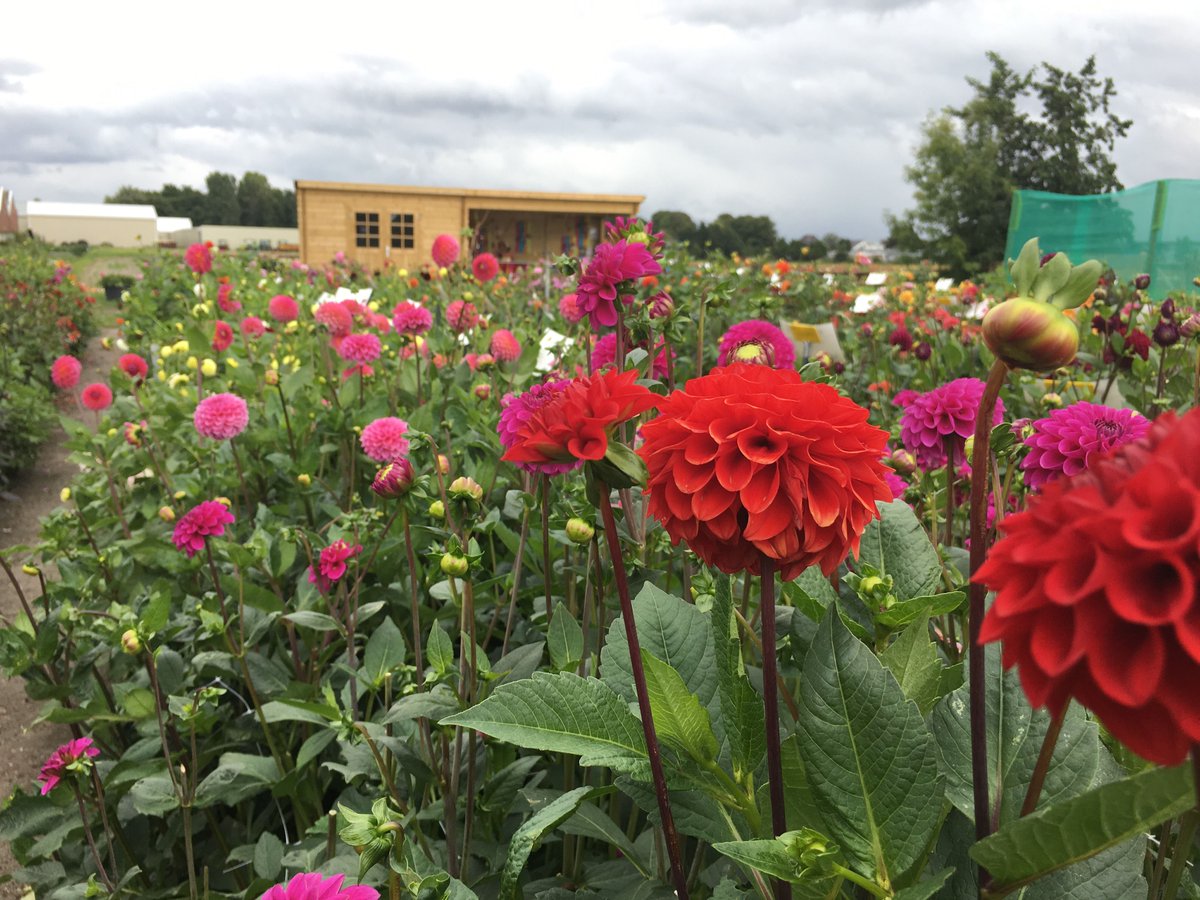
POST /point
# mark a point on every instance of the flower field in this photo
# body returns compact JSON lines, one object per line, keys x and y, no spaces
{"x":638,"y":575}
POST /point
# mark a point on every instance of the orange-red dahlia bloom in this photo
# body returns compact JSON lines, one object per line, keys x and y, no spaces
{"x":575,"y":423}
{"x":749,"y":460}
{"x":1096,"y":591}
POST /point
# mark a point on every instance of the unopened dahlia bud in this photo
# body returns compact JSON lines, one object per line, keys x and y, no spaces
{"x":271,"y":377}
{"x":923,"y":351}
{"x":1166,"y":333}
{"x":902,"y":461}
{"x":131,"y":643}
{"x":661,"y":305}
{"x":30,"y":569}
{"x":1100,"y":293}
{"x":1191,"y":326}
{"x":394,"y":479}
{"x":1052,"y":399}
{"x":65,"y":494}
{"x":437,"y":509}
{"x":1141,"y":282}
{"x":465,"y":488}
{"x":1028,"y":334}
{"x":304,"y":479}
{"x":443,"y":464}
{"x":579,"y":531}
{"x":1167,"y":310}
{"x":166,"y":514}
{"x":453,"y":564}
{"x":483,"y":391}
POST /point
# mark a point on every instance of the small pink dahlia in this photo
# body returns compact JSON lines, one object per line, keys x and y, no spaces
{"x":905,"y":397}
{"x":941,"y":417}
{"x":445,"y":250}
{"x":756,"y":341}
{"x":612,"y":265}
{"x":568,"y":308}
{"x":485,"y":267}
{"x":383,"y":440}
{"x":336,"y":318}
{"x":206,"y":519}
{"x":97,"y":396}
{"x":517,"y":409}
{"x":360,"y":348}
{"x":65,"y":372}
{"x":134,"y":366}
{"x":331,"y":565}
{"x":225,"y":299}
{"x":66,"y":759}
{"x":221,"y":416}
{"x":315,"y":886}
{"x":1065,"y":442}
{"x":283,"y":308}
{"x":411,"y":318}
{"x":198,"y":258}
{"x":505,"y":346}
{"x":605,"y":354}
{"x":252,"y":326}
{"x":461,"y":315}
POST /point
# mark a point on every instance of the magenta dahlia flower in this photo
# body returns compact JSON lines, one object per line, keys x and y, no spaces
{"x":756,"y":341}
{"x":411,"y":318}
{"x":64,"y":760}
{"x":207,"y":519}
{"x":198,"y":258}
{"x":905,"y":397}
{"x":568,"y":308}
{"x":461,"y":315}
{"x":225,"y":299}
{"x":283,"y":308}
{"x":360,"y":348}
{"x":65,"y":372}
{"x":1064,"y":443}
{"x":600,"y":283}
{"x":315,"y":886}
{"x":331,"y":565}
{"x":445,"y":250}
{"x":505,"y":346}
{"x":252,"y":326}
{"x":517,"y":409}
{"x":605,"y":354}
{"x":97,"y":396}
{"x":336,"y":318}
{"x":383,"y":440}
{"x":221,"y":416}
{"x":941,"y":418}
{"x":485,"y":267}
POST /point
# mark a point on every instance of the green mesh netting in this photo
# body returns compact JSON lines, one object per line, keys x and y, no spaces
{"x":1154,"y":228}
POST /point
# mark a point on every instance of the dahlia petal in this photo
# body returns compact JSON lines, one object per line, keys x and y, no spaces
{"x":711,"y":500}
{"x":761,"y":491}
{"x":700,"y":449}
{"x":734,"y":471}
{"x":765,"y":525}
{"x":1155,"y":592}
{"x":690,"y":478}
{"x":761,"y":446}
{"x":1128,"y":664}
{"x":823,"y":501}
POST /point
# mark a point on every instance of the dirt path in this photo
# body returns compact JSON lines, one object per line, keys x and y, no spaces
{"x":32,"y":495}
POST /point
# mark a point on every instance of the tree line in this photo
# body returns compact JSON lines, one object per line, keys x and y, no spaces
{"x":748,"y":236}
{"x":226,"y":200}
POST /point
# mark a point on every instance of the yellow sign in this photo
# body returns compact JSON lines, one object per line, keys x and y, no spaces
{"x":805,"y":333}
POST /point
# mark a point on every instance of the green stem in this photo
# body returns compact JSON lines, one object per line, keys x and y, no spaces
{"x":1179,"y":856}
{"x":869,"y":886}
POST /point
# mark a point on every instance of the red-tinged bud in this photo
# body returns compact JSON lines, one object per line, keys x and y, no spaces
{"x":1028,"y":334}
{"x":923,"y":351}
{"x":483,"y":391}
{"x":394,"y":479}
{"x":465,"y":489}
{"x":902,"y":461}
{"x":1166,"y":333}
{"x":579,"y":531}
{"x":661,"y":305}
{"x":1191,"y":326}
{"x":1141,"y":282}
{"x":1167,"y":310}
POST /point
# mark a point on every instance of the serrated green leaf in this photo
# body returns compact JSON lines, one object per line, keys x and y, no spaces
{"x":564,"y":639}
{"x":679,"y":720}
{"x":268,"y":856}
{"x":923,"y":890}
{"x":385,"y":650}
{"x":1056,"y":836}
{"x":560,"y":713}
{"x":870,"y":761}
{"x":433,"y":704}
{"x":772,"y":858}
{"x":154,"y":617}
{"x":696,"y":814}
{"x":907,"y":611}
{"x":914,"y":662}
{"x":439,"y":652}
{"x":531,"y":832}
{"x":591,"y":821}
{"x":896,"y":545}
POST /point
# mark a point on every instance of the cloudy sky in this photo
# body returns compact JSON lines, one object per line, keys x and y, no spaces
{"x":805,"y":111}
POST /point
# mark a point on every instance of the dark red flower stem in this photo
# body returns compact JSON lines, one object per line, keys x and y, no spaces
{"x":766,"y":568}
{"x":639,"y":680}
{"x":980,"y":458}
{"x":1043,"y":762}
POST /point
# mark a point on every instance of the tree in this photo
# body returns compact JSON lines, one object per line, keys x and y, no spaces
{"x":222,"y":207}
{"x":971,"y":159}
{"x":678,"y":226}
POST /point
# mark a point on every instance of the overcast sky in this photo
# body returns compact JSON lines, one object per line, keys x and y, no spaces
{"x":805,"y":111}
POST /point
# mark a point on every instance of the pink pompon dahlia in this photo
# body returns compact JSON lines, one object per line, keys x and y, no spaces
{"x":944,"y":417}
{"x":331,"y":565}
{"x":360,"y":348}
{"x":134,"y":366}
{"x":283,"y":308}
{"x":72,"y":756}
{"x":221,"y":416}
{"x":206,"y":519}
{"x":383,"y":440}
{"x":252,"y":326}
{"x":1065,"y":442}
{"x":461,"y":315}
{"x":610,"y":267}
{"x":222,"y":336}
{"x":505,"y":346}
{"x":411,"y":318}
{"x":485,"y":267}
{"x":568,"y":308}
{"x":315,"y":886}
{"x":517,"y":409}
{"x":65,"y":372}
{"x":336,"y":318}
{"x":97,"y":396}
{"x":198,"y":258}
{"x":445,"y":250}
{"x":756,"y":341}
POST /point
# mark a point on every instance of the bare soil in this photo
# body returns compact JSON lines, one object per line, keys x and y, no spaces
{"x":32,"y":495}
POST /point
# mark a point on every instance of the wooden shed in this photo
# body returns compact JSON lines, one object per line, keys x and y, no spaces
{"x":392,"y":225}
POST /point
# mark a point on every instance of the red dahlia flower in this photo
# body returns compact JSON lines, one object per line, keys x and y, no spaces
{"x":134,"y":366}
{"x":331,"y":565}
{"x":198,"y":258}
{"x":283,"y":308}
{"x":65,"y":372}
{"x":97,"y":396}
{"x":1096,"y":591}
{"x":575,"y":423}
{"x":750,"y":460}
{"x":222,"y":336}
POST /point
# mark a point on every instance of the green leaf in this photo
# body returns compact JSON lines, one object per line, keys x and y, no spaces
{"x":1057,"y":836}
{"x":591,"y":821}
{"x":914,"y":662}
{"x":268,"y":856}
{"x":1082,"y":282}
{"x":531,"y":832}
{"x":907,"y":611}
{"x":564,"y":640}
{"x":433,"y":704}
{"x":923,"y":890}
{"x":154,"y":617}
{"x":139,"y":703}
{"x":769,"y":857}
{"x":154,"y":795}
{"x":236,"y":777}
{"x":696,"y":814}
{"x":1051,"y":277}
{"x":1014,"y":739}
{"x":299,"y":711}
{"x":741,"y":707}
{"x":313,"y":746}
{"x":384,"y":651}
{"x":896,"y":545}
{"x":679,"y":720}
{"x":560,"y":713}
{"x":440,"y":650}
{"x":871,"y":763}
{"x":311,"y":619}
{"x":1025,"y":269}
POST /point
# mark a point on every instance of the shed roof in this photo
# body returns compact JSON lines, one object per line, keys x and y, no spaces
{"x":168,"y":224}
{"x":89,"y":210}
{"x":467,"y":192}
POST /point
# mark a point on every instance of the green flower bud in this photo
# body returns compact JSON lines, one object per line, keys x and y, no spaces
{"x":455,"y":565}
{"x":579,"y":531}
{"x":1028,"y":334}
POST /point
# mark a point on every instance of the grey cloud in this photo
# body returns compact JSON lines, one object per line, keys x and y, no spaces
{"x":10,"y":71}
